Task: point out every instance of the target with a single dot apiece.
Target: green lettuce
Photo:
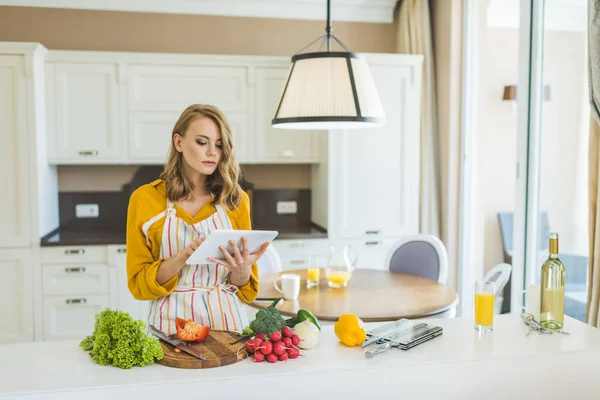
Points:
(121, 341)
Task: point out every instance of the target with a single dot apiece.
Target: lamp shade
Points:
(329, 90)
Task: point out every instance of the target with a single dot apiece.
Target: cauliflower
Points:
(120, 341)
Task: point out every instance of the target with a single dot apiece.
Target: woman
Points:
(197, 193)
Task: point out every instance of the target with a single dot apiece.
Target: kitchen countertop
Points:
(459, 364)
(311, 233)
(66, 237)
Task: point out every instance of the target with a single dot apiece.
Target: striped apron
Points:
(202, 293)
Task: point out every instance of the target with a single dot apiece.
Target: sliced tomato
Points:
(190, 331)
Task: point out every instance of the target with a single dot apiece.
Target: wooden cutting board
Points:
(215, 348)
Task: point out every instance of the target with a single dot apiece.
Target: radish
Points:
(284, 356)
(261, 336)
(295, 340)
(259, 357)
(266, 348)
(251, 346)
(286, 331)
(287, 341)
(293, 352)
(275, 336)
(278, 348)
(272, 358)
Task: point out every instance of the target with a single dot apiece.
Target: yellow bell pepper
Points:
(350, 330)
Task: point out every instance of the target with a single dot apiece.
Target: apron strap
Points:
(151, 222)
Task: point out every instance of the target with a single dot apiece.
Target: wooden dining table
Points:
(373, 295)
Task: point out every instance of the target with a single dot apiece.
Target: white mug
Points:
(290, 286)
(532, 300)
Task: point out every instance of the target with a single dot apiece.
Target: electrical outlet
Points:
(287, 207)
(87, 211)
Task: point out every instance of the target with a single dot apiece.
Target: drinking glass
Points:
(484, 306)
(313, 274)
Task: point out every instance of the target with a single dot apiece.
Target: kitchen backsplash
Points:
(283, 210)
(110, 178)
(97, 197)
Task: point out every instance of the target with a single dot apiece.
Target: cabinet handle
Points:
(296, 262)
(88, 152)
(287, 153)
(75, 269)
(375, 232)
(298, 245)
(374, 243)
(75, 252)
(76, 301)
(121, 251)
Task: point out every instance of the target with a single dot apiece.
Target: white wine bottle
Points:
(552, 311)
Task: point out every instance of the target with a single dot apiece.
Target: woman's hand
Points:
(172, 265)
(240, 262)
(188, 250)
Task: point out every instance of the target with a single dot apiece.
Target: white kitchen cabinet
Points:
(372, 253)
(75, 287)
(16, 296)
(120, 108)
(158, 94)
(29, 203)
(84, 100)
(298, 262)
(374, 173)
(171, 88)
(121, 297)
(15, 211)
(80, 255)
(300, 253)
(301, 247)
(74, 279)
(71, 317)
(150, 136)
(279, 145)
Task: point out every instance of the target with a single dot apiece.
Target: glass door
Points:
(557, 173)
(524, 146)
(493, 192)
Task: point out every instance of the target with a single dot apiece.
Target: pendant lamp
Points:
(329, 90)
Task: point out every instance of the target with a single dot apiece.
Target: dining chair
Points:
(499, 274)
(270, 262)
(422, 255)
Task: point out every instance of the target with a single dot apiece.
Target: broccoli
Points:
(267, 320)
(119, 340)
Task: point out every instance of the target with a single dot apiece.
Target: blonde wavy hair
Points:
(224, 182)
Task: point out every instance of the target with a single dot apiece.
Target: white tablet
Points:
(221, 237)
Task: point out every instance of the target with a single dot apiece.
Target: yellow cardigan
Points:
(143, 258)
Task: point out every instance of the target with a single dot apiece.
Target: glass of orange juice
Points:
(313, 274)
(484, 306)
